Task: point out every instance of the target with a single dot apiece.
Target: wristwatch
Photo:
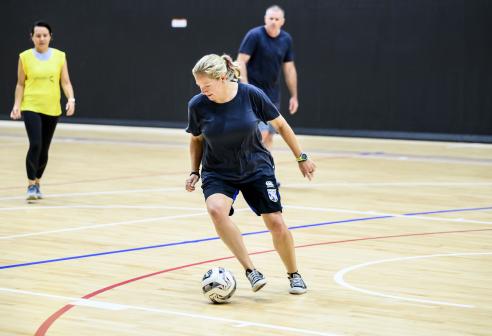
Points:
(301, 158)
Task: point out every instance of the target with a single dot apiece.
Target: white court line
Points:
(389, 184)
(95, 193)
(292, 185)
(153, 219)
(118, 307)
(339, 278)
(408, 157)
(145, 207)
(348, 154)
(180, 131)
(97, 226)
(470, 145)
(375, 213)
(101, 128)
(133, 143)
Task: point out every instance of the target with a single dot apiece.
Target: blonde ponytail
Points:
(215, 66)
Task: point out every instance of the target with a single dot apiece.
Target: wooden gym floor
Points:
(393, 238)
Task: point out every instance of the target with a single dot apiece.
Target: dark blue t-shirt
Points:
(267, 56)
(232, 148)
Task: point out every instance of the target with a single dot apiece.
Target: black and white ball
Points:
(218, 285)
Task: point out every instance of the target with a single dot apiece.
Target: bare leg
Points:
(282, 239)
(218, 206)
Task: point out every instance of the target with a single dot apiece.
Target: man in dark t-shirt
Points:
(264, 51)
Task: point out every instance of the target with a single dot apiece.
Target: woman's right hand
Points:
(15, 114)
(191, 181)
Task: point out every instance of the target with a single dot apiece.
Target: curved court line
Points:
(118, 307)
(216, 238)
(50, 320)
(339, 278)
(194, 316)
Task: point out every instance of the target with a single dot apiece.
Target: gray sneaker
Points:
(39, 194)
(31, 193)
(256, 279)
(297, 285)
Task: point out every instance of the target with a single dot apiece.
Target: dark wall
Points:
(370, 65)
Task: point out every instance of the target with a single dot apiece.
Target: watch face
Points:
(302, 157)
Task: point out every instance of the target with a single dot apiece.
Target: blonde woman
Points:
(226, 142)
(40, 72)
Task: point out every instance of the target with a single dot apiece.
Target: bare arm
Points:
(290, 74)
(307, 167)
(196, 153)
(68, 90)
(243, 60)
(19, 91)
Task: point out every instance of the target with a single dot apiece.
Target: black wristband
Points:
(195, 173)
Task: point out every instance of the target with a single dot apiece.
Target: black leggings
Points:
(40, 129)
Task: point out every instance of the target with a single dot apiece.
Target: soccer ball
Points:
(218, 284)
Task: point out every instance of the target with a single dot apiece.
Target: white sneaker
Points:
(39, 194)
(31, 193)
(256, 279)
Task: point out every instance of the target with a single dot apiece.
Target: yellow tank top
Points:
(42, 83)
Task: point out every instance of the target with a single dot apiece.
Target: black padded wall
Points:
(420, 66)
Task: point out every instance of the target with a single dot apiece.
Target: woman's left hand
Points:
(307, 168)
(15, 114)
(70, 108)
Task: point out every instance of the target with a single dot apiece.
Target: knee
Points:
(35, 147)
(278, 228)
(217, 210)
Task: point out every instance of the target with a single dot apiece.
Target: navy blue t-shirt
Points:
(233, 149)
(267, 56)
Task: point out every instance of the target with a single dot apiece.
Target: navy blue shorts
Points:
(262, 194)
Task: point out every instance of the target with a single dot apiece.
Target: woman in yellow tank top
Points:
(40, 72)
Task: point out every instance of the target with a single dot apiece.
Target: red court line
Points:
(50, 320)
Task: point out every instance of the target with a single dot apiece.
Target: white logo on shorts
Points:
(269, 184)
(272, 195)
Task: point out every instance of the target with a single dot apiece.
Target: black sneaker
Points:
(256, 279)
(297, 285)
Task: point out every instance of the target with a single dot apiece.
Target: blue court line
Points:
(443, 211)
(185, 242)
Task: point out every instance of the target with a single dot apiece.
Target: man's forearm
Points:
(291, 80)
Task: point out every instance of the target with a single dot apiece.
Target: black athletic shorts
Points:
(262, 194)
